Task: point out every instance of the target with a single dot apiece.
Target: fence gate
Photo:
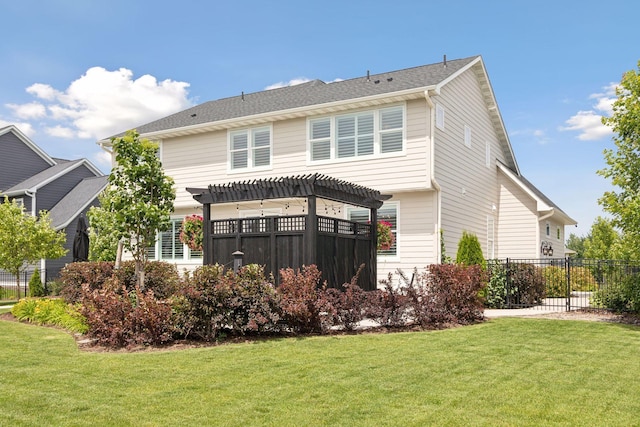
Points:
(555, 284)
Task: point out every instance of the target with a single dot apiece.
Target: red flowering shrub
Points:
(303, 300)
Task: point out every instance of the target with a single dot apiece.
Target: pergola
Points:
(312, 233)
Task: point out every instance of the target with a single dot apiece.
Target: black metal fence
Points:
(554, 283)
(9, 286)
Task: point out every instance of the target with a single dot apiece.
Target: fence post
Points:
(567, 266)
(507, 285)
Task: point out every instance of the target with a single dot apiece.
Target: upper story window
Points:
(548, 229)
(558, 233)
(439, 116)
(355, 135)
(467, 136)
(250, 148)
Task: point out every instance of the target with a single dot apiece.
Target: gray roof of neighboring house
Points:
(76, 201)
(315, 92)
(43, 177)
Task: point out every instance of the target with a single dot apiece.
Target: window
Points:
(548, 230)
(487, 155)
(250, 148)
(388, 212)
(558, 233)
(320, 139)
(354, 135)
(467, 136)
(170, 248)
(439, 116)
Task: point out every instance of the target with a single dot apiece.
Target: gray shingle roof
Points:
(43, 177)
(315, 92)
(76, 200)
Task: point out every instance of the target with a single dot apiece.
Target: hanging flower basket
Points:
(385, 236)
(191, 232)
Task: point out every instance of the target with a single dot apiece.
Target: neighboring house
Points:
(430, 136)
(64, 188)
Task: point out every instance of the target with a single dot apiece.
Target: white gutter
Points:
(434, 182)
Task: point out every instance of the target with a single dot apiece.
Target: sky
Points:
(77, 71)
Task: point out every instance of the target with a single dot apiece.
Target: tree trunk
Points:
(139, 272)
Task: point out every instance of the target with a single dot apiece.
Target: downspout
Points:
(43, 262)
(434, 182)
(538, 237)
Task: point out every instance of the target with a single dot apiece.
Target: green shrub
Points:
(582, 280)
(555, 281)
(469, 251)
(495, 291)
(35, 285)
(47, 311)
(623, 296)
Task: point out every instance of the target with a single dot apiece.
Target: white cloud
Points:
(102, 103)
(102, 159)
(60, 132)
(589, 123)
(32, 110)
(24, 127)
(292, 82)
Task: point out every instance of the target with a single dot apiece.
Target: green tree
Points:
(576, 244)
(35, 285)
(602, 241)
(26, 239)
(103, 241)
(469, 250)
(624, 162)
(140, 196)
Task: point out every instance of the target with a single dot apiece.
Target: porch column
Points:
(207, 242)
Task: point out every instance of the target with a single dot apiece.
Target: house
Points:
(64, 188)
(430, 136)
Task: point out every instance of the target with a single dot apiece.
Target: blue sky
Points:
(75, 71)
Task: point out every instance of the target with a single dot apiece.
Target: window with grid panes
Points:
(250, 148)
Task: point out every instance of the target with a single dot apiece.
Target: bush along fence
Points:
(9, 289)
(563, 283)
(213, 303)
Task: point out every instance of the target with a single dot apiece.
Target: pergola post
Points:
(373, 257)
(311, 233)
(207, 237)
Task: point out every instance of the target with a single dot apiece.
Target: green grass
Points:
(505, 372)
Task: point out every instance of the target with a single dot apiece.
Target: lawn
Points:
(503, 372)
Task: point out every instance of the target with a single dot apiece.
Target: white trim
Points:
(376, 112)
(250, 133)
(22, 137)
(467, 136)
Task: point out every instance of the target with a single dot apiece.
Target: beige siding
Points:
(552, 239)
(200, 160)
(517, 222)
(469, 187)
(417, 234)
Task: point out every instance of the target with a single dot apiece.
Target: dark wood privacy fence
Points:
(278, 242)
(336, 246)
